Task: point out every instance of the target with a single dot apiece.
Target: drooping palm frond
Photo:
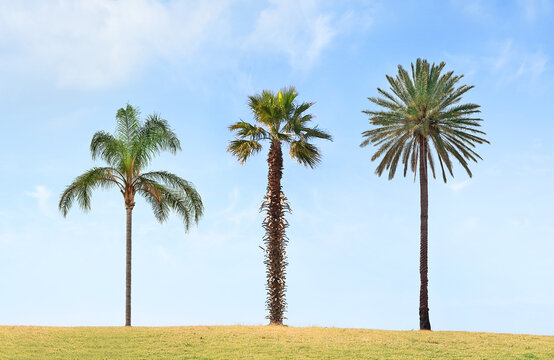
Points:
(243, 149)
(181, 191)
(174, 194)
(423, 109)
(106, 147)
(81, 188)
(305, 153)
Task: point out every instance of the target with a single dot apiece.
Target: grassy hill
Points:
(263, 342)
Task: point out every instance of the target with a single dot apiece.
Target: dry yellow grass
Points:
(263, 342)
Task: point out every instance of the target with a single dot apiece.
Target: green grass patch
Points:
(263, 342)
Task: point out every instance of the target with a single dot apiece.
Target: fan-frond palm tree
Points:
(278, 119)
(127, 154)
(423, 113)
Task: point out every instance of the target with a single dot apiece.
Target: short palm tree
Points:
(127, 154)
(423, 112)
(279, 119)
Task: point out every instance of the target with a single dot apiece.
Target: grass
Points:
(263, 342)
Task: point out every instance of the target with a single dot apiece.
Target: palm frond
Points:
(305, 153)
(423, 107)
(175, 194)
(81, 188)
(243, 149)
(246, 130)
(128, 123)
(153, 137)
(105, 146)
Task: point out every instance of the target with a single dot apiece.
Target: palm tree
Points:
(279, 119)
(424, 110)
(127, 154)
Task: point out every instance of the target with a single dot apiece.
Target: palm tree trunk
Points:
(275, 239)
(424, 323)
(128, 267)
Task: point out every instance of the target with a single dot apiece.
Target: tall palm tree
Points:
(127, 154)
(422, 113)
(279, 119)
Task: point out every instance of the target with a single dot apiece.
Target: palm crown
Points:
(423, 109)
(278, 118)
(127, 154)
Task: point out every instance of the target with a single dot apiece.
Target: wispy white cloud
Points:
(300, 30)
(532, 9)
(303, 30)
(474, 8)
(486, 11)
(507, 60)
(458, 186)
(480, 11)
(514, 62)
(42, 194)
(95, 43)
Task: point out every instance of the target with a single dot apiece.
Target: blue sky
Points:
(67, 66)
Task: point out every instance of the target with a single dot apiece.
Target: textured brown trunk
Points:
(129, 209)
(424, 323)
(275, 238)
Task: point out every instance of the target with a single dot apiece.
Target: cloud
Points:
(96, 43)
(480, 11)
(298, 29)
(532, 9)
(487, 11)
(508, 61)
(514, 62)
(42, 194)
(474, 8)
(458, 186)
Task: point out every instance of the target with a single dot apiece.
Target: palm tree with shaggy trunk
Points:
(423, 113)
(127, 154)
(278, 119)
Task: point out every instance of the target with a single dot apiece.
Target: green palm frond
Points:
(305, 153)
(173, 193)
(106, 147)
(243, 149)
(315, 132)
(81, 188)
(154, 137)
(280, 118)
(246, 130)
(266, 110)
(422, 108)
(128, 123)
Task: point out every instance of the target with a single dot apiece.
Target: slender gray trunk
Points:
(128, 267)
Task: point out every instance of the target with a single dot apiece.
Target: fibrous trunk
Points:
(424, 323)
(275, 204)
(128, 267)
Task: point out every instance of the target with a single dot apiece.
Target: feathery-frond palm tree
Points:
(279, 119)
(423, 112)
(127, 154)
